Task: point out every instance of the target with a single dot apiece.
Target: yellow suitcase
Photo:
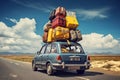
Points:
(71, 22)
(50, 33)
(61, 33)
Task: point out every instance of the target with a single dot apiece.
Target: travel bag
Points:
(50, 33)
(71, 22)
(47, 27)
(44, 37)
(79, 35)
(60, 33)
(73, 35)
(60, 11)
(58, 21)
(52, 15)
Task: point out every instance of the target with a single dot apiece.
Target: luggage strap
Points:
(68, 42)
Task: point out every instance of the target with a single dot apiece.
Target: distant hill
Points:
(15, 53)
(103, 53)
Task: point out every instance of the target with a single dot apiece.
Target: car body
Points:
(61, 56)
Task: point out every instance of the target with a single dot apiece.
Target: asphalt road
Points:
(17, 70)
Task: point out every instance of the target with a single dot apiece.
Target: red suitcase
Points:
(59, 21)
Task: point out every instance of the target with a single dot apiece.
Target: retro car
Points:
(65, 56)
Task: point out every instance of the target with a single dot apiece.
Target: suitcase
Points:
(47, 27)
(58, 21)
(70, 13)
(73, 35)
(52, 15)
(79, 35)
(60, 11)
(44, 37)
(50, 33)
(71, 22)
(60, 33)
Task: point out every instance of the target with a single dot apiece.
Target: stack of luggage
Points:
(62, 27)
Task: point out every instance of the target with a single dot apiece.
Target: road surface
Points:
(17, 70)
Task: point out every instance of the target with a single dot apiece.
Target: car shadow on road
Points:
(69, 74)
(72, 74)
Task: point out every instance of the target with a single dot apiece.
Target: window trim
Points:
(42, 49)
(47, 47)
(56, 47)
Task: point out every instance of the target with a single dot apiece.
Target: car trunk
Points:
(72, 58)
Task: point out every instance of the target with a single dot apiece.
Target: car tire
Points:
(34, 66)
(49, 69)
(80, 71)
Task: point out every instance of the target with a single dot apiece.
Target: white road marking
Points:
(11, 62)
(13, 75)
(82, 78)
(16, 64)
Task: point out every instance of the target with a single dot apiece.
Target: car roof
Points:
(63, 43)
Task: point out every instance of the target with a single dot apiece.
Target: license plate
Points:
(74, 58)
(73, 67)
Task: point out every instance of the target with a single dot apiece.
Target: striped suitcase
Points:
(60, 11)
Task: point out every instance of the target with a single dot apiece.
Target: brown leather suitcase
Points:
(44, 37)
(52, 15)
(47, 27)
(73, 35)
(79, 35)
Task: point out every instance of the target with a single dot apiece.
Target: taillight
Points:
(58, 58)
(89, 58)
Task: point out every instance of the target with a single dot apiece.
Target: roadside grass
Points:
(24, 58)
(105, 57)
(28, 58)
(110, 63)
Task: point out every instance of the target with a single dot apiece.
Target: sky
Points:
(22, 22)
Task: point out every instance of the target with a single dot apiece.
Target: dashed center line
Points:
(82, 78)
(13, 75)
(16, 64)
(11, 62)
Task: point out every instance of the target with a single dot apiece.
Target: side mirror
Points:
(38, 52)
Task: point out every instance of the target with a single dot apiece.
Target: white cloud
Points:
(92, 13)
(35, 5)
(12, 20)
(100, 43)
(20, 37)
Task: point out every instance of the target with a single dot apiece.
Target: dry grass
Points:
(24, 58)
(28, 58)
(111, 63)
(114, 58)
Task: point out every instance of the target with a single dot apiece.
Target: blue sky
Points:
(95, 17)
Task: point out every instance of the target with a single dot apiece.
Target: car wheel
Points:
(34, 67)
(80, 71)
(49, 69)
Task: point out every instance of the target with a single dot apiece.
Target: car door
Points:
(40, 55)
(46, 54)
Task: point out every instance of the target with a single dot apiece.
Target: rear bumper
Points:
(66, 66)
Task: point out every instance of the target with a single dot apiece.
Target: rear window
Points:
(72, 48)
